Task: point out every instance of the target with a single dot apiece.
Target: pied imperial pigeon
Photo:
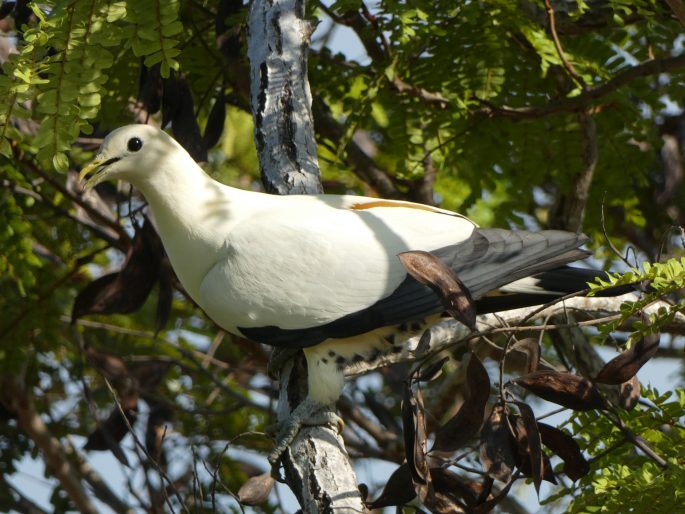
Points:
(321, 273)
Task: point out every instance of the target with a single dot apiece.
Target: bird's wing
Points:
(308, 261)
(307, 269)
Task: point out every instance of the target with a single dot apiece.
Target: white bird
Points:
(320, 272)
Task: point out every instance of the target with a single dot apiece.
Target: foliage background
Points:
(472, 105)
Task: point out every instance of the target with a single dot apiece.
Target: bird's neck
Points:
(193, 214)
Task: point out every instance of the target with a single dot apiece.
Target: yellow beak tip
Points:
(86, 171)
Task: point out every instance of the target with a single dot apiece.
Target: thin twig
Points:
(141, 446)
(607, 450)
(37, 195)
(608, 240)
(96, 215)
(636, 440)
(575, 202)
(426, 96)
(568, 66)
(551, 413)
(215, 473)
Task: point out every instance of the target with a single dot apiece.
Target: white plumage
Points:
(319, 272)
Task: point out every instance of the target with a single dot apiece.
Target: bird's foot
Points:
(279, 356)
(308, 413)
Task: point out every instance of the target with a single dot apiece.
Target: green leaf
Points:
(5, 147)
(61, 162)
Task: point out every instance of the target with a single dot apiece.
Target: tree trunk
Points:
(280, 96)
(317, 467)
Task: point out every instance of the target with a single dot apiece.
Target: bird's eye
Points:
(134, 144)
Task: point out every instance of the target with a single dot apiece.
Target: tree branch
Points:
(591, 311)
(100, 487)
(113, 225)
(366, 32)
(428, 97)
(16, 398)
(317, 467)
(583, 100)
(571, 211)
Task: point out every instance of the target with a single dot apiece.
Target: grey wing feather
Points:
(494, 257)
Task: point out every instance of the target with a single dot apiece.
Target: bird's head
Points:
(129, 153)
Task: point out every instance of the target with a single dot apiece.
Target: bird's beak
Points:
(97, 167)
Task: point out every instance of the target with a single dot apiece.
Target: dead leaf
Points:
(559, 442)
(382, 413)
(431, 271)
(414, 424)
(466, 423)
(625, 366)
(431, 371)
(629, 393)
(489, 505)
(523, 356)
(215, 121)
(256, 490)
(179, 111)
(165, 295)
(496, 452)
(111, 431)
(6, 9)
(399, 490)
(449, 483)
(149, 373)
(529, 442)
(150, 88)
(522, 458)
(112, 367)
(6, 413)
(156, 430)
(443, 503)
(563, 388)
(125, 291)
(424, 343)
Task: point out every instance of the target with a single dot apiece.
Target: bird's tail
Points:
(510, 269)
(542, 288)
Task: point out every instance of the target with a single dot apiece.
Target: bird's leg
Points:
(308, 413)
(324, 382)
(279, 356)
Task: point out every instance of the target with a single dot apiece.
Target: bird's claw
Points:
(308, 413)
